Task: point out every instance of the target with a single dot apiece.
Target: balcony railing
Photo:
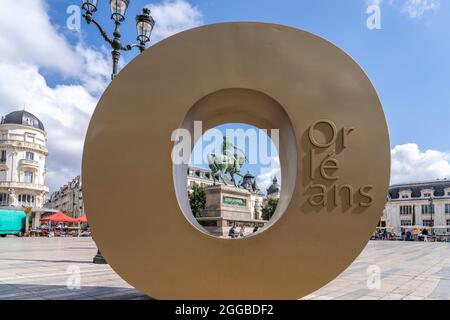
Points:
(29, 163)
(23, 185)
(30, 145)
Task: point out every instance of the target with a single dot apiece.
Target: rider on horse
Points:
(228, 162)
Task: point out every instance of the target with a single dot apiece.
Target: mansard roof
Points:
(438, 186)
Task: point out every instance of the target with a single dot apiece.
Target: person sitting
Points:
(232, 233)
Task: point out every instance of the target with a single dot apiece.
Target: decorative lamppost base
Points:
(99, 259)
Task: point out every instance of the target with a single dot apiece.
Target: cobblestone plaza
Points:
(42, 268)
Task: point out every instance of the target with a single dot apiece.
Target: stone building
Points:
(273, 192)
(23, 153)
(256, 196)
(68, 199)
(418, 204)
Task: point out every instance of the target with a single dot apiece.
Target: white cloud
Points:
(28, 36)
(65, 111)
(410, 164)
(264, 179)
(412, 8)
(173, 16)
(49, 49)
(417, 8)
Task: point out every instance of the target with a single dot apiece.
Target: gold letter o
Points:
(268, 75)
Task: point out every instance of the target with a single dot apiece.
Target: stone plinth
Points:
(228, 206)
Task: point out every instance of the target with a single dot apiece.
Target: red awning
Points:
(59, 217)
(82, 219)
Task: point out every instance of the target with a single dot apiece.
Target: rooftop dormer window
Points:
(405, 194)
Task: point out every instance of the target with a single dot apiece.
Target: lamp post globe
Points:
(118, 9)
(144, 26)
(90, 6)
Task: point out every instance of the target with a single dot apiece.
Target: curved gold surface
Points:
(272, 75)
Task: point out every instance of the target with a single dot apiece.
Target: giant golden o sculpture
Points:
(334, 153)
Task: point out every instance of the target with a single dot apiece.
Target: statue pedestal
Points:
(228, 206)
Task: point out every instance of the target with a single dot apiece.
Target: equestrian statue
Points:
(229, 162)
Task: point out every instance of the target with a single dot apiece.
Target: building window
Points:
(405, 196)
(28, 177)
(4, 197)
(428, 223)
(448, 222)
(405, 223)
(405, 210)
(426, 209)
(26, 199)
(3, 156)
(427, 195)
(29, 155)
(447, 208)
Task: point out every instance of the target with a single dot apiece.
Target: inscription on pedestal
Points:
(234, 201)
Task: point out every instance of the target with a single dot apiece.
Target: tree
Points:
(269, 209)
(197, 200)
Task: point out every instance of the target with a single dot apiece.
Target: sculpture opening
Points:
(234, 109)
(234, 179)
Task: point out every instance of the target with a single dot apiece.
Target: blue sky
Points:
(407, 60)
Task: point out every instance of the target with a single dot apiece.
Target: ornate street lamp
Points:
(144, 26)
(430, 200)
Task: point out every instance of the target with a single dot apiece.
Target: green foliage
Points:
(197, 200)
(269, 209)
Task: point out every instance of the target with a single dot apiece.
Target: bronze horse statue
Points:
(229, 162)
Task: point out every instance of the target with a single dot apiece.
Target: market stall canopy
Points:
(59, 217)
(82, 219)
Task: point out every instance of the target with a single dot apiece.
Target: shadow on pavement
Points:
(62, 292)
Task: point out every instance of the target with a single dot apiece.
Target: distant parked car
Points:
(12, 222)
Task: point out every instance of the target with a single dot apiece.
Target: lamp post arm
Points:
(89, 19)
(140, 46)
